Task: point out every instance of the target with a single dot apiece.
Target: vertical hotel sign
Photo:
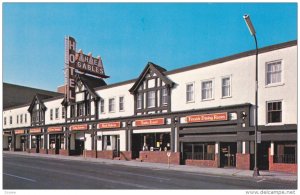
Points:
(70, 52)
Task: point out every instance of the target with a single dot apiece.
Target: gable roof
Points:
(16, 95)
(158, 70)
(40, 98)
(90, 83)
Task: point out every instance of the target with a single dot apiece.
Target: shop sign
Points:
(109, 125)
(78, 127)
(54, 129)
(79, 63)
(19, 131)
(207, 118)
(149, 122)
(89, 64)
(70, 52)
(6, 133)
(35, 130)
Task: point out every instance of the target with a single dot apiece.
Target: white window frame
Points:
(112, 109)
(139, 106)
(269, 73)
(101, 107)
(63, 113)
(267, 111)
(51, 114)
(193, 95)
(56, 113)
(230, 86)
(212, 89)
(164, 96)
(123, 103)
(151, 99)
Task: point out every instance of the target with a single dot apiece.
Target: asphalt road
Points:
(26, 172)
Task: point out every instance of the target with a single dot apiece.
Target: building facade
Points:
(200, 115)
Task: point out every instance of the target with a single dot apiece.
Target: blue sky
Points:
(128, 35)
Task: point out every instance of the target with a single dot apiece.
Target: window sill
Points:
(274, 124)
(204, 100)
(274, 85)
(225, 97)
(188, 102)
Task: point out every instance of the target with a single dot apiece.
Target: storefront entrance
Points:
(79, 146)
(263, 155)
(56, 142)
(36, 143)
(228, 154)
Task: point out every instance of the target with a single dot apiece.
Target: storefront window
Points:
(285, 152)
(153, 141)
(199, 151)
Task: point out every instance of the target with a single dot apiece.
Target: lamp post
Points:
(253, 33)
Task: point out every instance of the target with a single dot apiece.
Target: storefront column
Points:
(45, 141)
(272, 149)
(13, 142)
(129, 140)
(173, 140)
(217, 154)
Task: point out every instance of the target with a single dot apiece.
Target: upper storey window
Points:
(226, 88)
(274, 112)
(207, 90)
(190, 92)
(151, 99)
(139, 101)
(274, 72)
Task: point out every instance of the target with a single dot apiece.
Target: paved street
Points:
(31, 172)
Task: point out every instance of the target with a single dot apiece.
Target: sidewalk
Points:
(200, 170)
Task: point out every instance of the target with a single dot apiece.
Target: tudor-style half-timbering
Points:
(37, 110)
(86, 99)
(152, 91)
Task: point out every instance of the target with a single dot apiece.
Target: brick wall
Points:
(64, 152)
(51, 151)
(125, 155)
(203, 163)
(90, 154)
(160, 157)
(282, 167)
(108, 154)
(43, 151)
(243, 161)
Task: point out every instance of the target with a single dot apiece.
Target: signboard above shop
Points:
(207, 118)
(150, 122)
(35, 130)
(78, 127)
(109, 125)
(55, 129)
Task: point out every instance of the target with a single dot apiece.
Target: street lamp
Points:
(253, 33)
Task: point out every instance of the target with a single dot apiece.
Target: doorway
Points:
(79, 146)
(263, 155)
(228, 154)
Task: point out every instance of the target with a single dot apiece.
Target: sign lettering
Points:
(55, 129)
(109, 125)
(35, 130)
(70, 51)
(207, 117)
(150, 122)
(78, 127)
(19, 131)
